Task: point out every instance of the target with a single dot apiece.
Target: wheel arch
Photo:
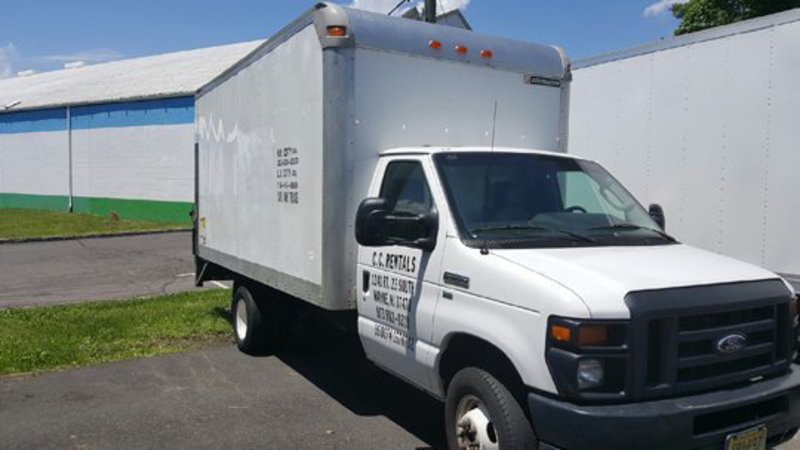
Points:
(461, 350)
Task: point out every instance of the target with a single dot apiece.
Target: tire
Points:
(251, 328)
(480, 410)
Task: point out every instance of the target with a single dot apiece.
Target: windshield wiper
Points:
(512, 227)
(631, 227)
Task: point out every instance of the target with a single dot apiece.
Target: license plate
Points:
(752, 439)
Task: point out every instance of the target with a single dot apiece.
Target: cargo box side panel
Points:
(260, 167)
(429, 101)
(410, 100)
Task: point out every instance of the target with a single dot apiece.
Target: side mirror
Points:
(424, 231)
(375, 227)
(657, 214)
(371, 222)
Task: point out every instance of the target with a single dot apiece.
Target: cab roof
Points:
(432, 150)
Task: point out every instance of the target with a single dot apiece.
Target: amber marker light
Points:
(436, 45)
(337, 31)
(560, 333)
(592, 335)
(487, 54)
(461, 50)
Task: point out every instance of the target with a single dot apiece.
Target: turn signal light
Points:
(486, 54)
(560, 333)
(462, 50)
(436, 45)
(337, 31)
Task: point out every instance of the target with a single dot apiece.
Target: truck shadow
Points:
(337, 365)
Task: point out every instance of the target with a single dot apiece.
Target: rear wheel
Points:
(481, 414)
(253, 327)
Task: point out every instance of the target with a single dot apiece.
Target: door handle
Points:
(455, 279)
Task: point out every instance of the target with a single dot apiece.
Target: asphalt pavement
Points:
(323, 397)
(43, 273)
(327, 397)
(313, 396)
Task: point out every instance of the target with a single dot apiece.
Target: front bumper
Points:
(693, 422)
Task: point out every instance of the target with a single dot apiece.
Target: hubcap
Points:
(241, 320)
(474, 427)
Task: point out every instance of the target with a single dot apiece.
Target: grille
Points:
(682, 354)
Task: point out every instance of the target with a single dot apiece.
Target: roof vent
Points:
(74, 65)
(11, 105)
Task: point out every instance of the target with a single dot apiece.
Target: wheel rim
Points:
(241, 320)
(474, 427)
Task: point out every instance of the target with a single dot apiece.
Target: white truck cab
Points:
(539, 265)
(382, 171)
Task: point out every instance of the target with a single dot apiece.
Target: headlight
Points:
(588, 359)
(590, 373)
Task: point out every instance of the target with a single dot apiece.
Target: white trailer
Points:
(705, 124)
(411, 179)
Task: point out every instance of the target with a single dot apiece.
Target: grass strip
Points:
(56, 337)
(26, 224)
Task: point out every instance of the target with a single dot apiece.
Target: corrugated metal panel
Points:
(34, 121)
(151, 162)
(168, 75)
(34, 163)
(747, 26)
(707, 126)
(168, 111)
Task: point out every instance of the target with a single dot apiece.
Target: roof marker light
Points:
(461, 50)
(487, 54)
(337, 31)
(436, 45)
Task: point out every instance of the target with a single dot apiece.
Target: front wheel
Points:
(481, 414)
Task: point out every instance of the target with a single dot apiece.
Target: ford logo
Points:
(731, 343)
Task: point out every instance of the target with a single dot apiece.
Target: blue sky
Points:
(45, 34)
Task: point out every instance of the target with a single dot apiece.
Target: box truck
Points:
(707, 124)
(412, 178)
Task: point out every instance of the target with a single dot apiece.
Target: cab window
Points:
(408, 195)
(406, 190)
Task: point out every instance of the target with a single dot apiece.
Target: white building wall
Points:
(34, 163)
(135, 159)
(154, 162)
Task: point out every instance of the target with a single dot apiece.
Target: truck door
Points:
(398, 292)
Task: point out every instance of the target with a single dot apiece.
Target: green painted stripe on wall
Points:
(152, 210)
(160, 211)
(27, 201)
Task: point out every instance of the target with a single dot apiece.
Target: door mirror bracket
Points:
(657, 214)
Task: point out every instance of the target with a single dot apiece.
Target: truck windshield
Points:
(519, 200)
